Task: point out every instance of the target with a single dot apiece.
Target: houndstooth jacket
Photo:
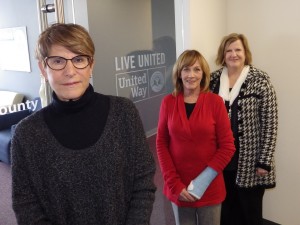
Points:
(257, 128)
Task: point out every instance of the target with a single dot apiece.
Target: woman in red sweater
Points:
(194, 143)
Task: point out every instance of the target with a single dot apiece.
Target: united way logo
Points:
(157, 81)
(142, 84)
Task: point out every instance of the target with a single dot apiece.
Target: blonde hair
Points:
(189, 58)
(226, 41)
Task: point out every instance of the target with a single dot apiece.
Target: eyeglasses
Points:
(59, 63)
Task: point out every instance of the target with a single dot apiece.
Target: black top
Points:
(189, 107)
(90, 121)
(233, 164)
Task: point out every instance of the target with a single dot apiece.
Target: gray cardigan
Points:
(257, 128)
(109, 183)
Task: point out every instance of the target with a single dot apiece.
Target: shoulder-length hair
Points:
(226, 41)
(189, 58)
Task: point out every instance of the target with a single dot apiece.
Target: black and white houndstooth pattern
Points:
(257, 128)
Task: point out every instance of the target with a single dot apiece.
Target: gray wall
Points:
(14, 14)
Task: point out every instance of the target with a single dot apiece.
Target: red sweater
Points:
(185, 147)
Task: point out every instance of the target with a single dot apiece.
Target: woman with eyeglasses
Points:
(84, 158)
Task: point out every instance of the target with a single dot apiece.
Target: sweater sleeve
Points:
(269, 125)
(25, 202)
(225, 140)
(143, 192)
(170, 175)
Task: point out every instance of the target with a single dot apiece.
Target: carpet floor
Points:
(7, 216)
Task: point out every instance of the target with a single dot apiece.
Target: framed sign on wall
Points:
(14, 53)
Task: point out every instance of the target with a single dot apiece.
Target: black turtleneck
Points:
(78, 124)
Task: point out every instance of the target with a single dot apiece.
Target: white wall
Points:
(208, 24)
(199, 25)
(274, 36)
(273, 31)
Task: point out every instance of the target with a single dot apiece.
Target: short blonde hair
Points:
(189, 58)
(226, 41)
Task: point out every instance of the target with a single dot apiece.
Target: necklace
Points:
(228, 107)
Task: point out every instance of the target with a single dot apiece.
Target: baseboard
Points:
(267, 222)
